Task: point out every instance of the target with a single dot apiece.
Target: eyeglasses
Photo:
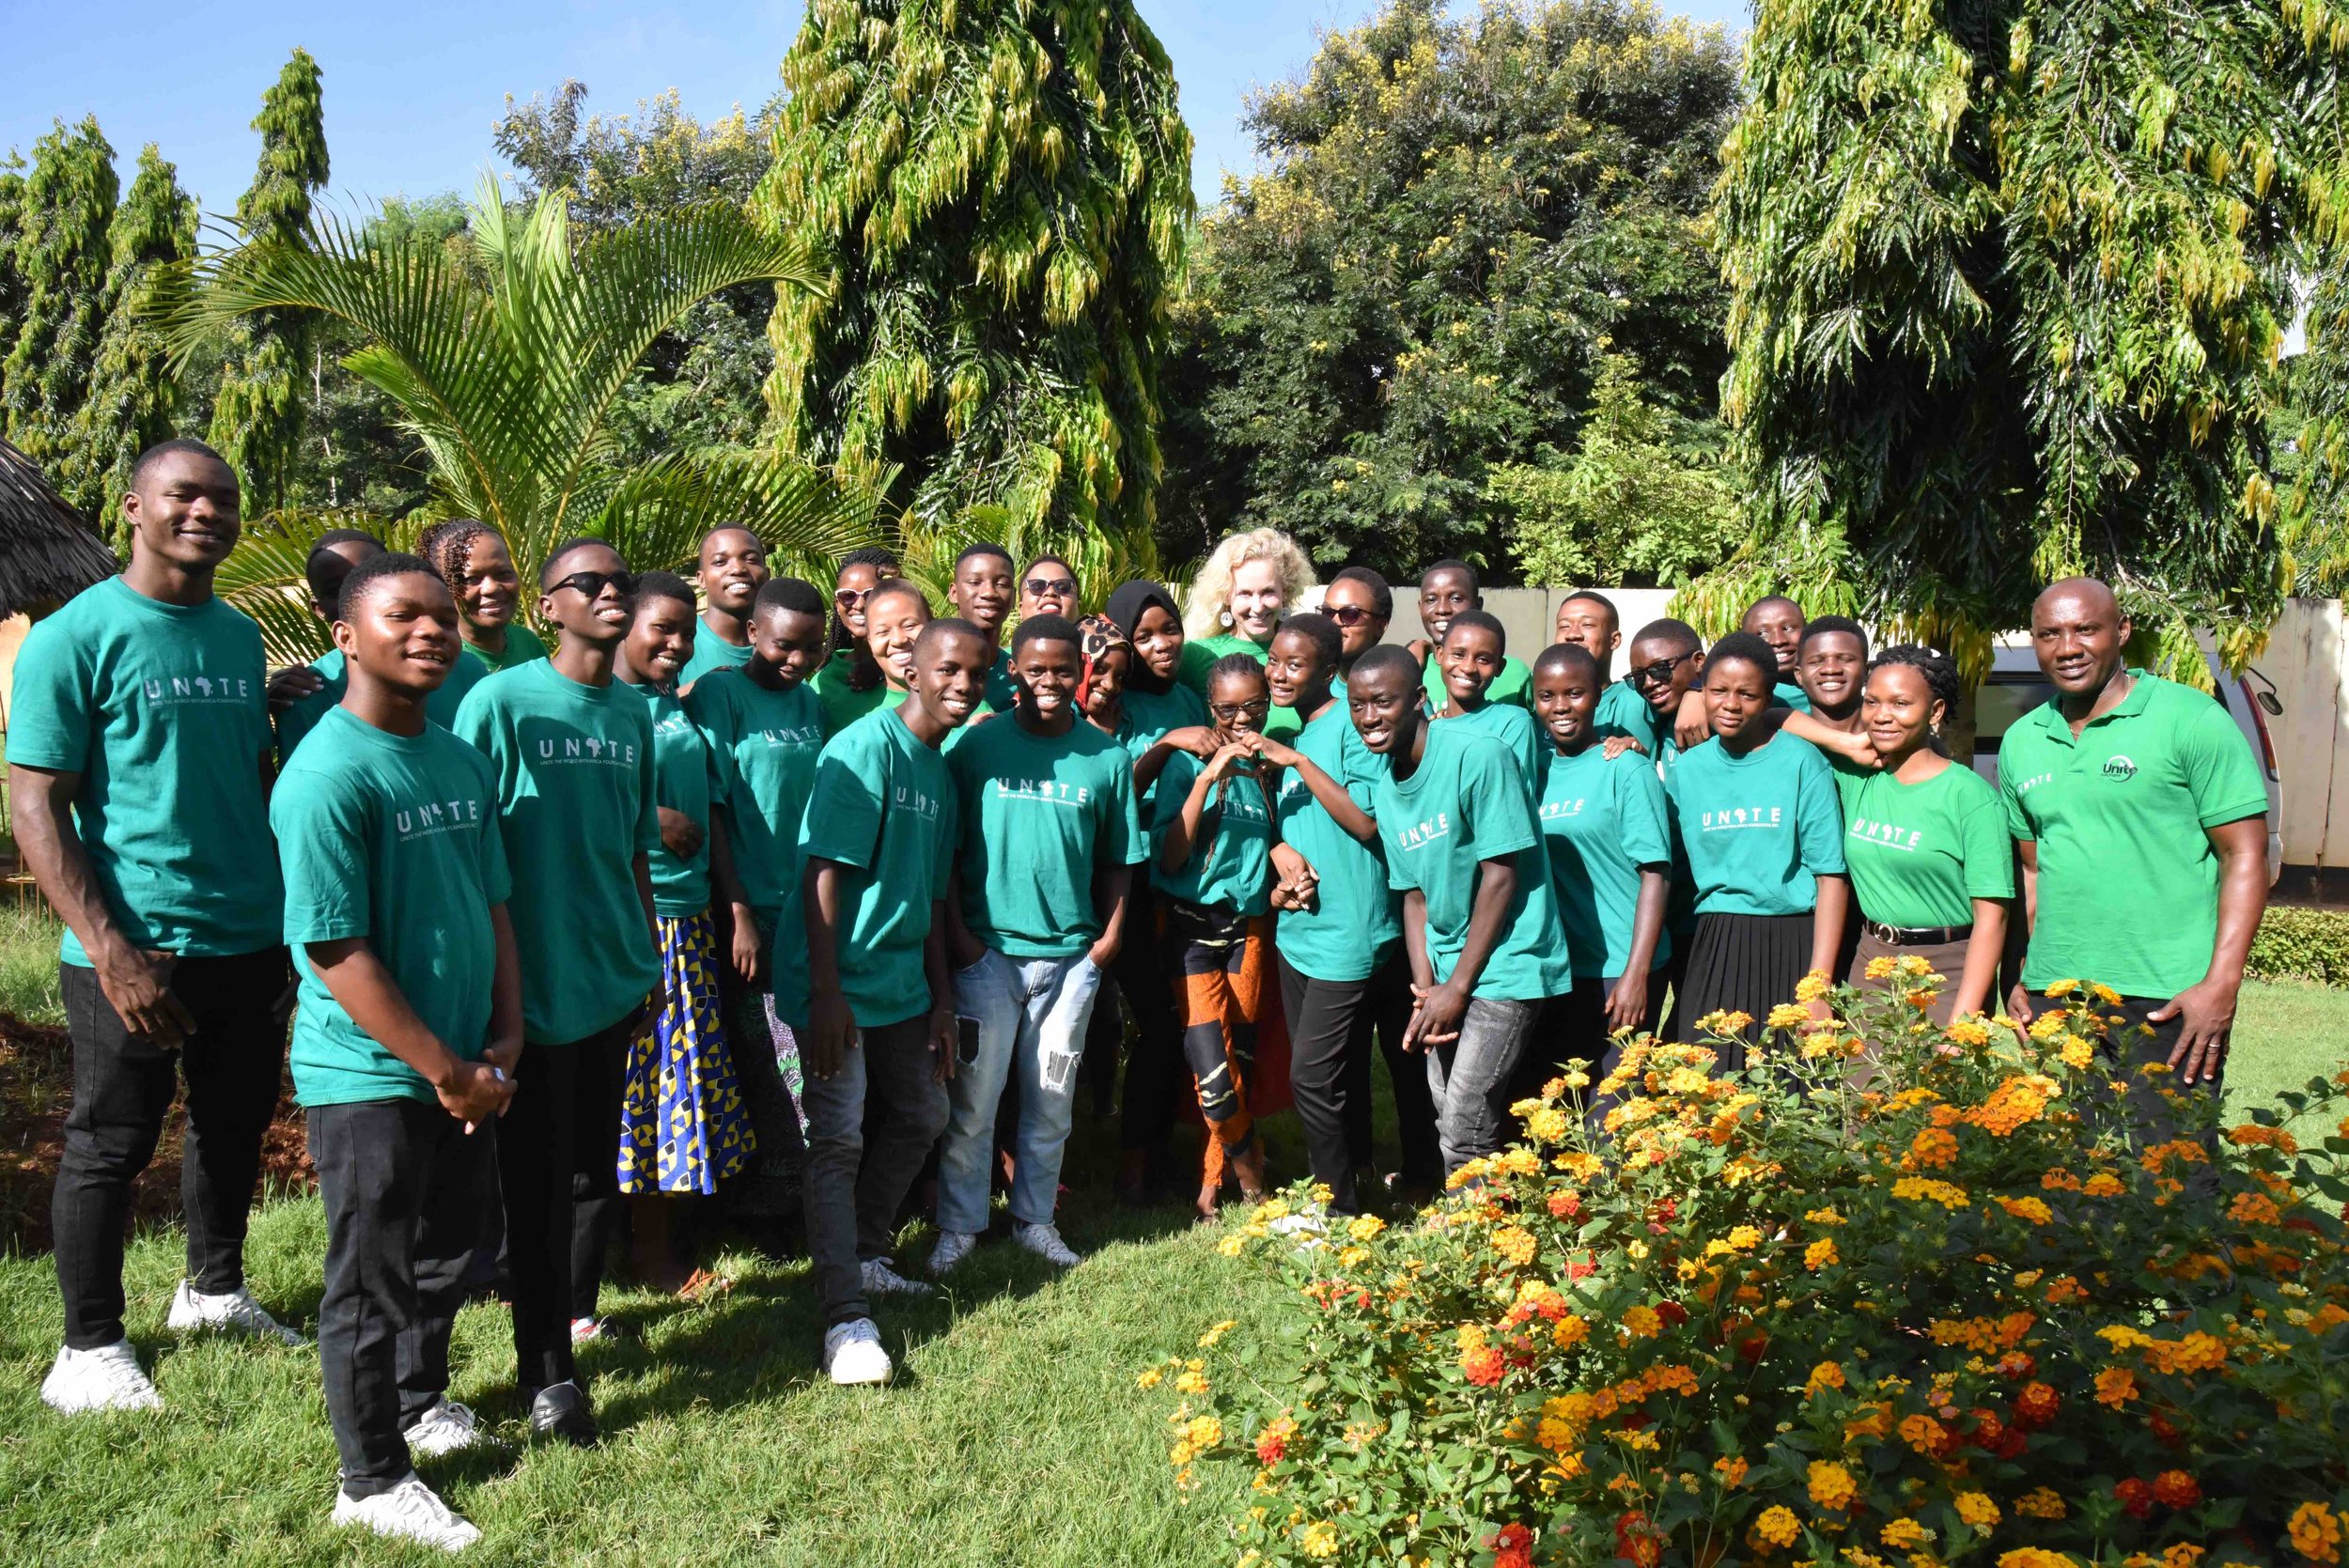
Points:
(1227, 713)
(1660, 672)
(591, 584)
(1347, 614)
(1051, 587)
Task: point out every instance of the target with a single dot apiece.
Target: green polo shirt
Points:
(1515, 729)
(1601, 822)
(2128, 883)
(1040, 815)
(711, 652)
(763, 747)
(1918, 855)
(1514, 685)
(1002, 693)
(1787, 695)
(844, 705)
(1232, 869)
(1759, 829)
(301, 718)
(883, 807)
(522, 645)
(1462, 805)
(1355, 918)
(1623, 711)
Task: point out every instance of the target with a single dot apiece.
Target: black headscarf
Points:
(1126, 606)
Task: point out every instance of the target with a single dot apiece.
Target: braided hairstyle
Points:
(448, 546)
(1938, 668)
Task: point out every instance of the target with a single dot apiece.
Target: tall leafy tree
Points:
(62, 251)
(999, 192)
(11, 277)
(132, 393)
(2010, 277)
(258, 414)
(505, 365)
(1455, 216)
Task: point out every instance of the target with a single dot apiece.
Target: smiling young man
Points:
(301, 703)
(1047, 841)
(1480, 927)
(579, 810)
(1778, 622)
(1475, 653)
(731, 569)
(1831, 667)
(2123, 782)
(1446, 589)
(878, 847)
(982, 593)
(138, 756)
(409, 1029)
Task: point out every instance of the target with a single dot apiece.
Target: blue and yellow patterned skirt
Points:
(683, 1126)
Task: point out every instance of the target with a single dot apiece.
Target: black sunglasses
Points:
(1658, 672)
(591, 584)
(1347, 614)
(1056, 587)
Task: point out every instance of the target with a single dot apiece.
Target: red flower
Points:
(1269, 1448)
(1638, 1541)
(1753, 1345)
(1581, 1268)
(2136, 1496)
(2177, 1489)
(1668, 1209)
(2017, 1363)
(2036, 1405)
(2162, 1432)
(1482, 1367)
(1672, 1313)
(1565, 1205)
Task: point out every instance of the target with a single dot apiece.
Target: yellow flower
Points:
(2078, 1054)
(1831, 1485)
(2036, 1556)
(1232, 1245)
(1826, 1375)
(1968, 1031)
(1204, 1433)
(1778, 1526)
(1150, 1378)
(1924, 1190)
(2104, 1184)
(2316, 1532)
(1353, 1257)
(2033, 1209)
(2063, 988)
(1820, 1254)
(2040, 1502)
(1787, 1015)
(1207, 1340)
(1514, 1243)
(1977, 1509)
(1825, 1216)
(2104, 994)
(1880, 967)
(1318, 1539)
(1577, 1079)
(1547, 1126)
(1192, 1381)
(1901, 1534)
(1641, 1322)
(1812, 986)
(1569, 1331)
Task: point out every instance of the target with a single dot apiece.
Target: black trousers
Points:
(2154, 1113)
(1154, 1063)
(1330, 1026)
(234, 1064)
(559, 1154)
(409, 1196)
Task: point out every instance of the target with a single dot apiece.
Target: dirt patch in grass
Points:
(36, 1088)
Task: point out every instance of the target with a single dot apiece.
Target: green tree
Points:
(62, 251)
(1645, 500)
(257, 413)
(132, 393)
(506, 371)
(998, 195)
(12, 278)
(2316, 420)
(1455, 214)
(2009, 276)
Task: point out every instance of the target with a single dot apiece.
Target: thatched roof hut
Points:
(48, 552)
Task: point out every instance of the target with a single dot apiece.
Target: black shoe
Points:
(561, 1411)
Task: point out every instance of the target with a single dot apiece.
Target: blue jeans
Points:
(1032, 1013)
(1470, 1078)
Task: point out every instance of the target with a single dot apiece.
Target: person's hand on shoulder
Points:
(291, 684)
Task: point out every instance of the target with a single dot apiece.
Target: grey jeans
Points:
(852, 1190)
(1470, 1077)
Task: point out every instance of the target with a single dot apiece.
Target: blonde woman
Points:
(1235, 604)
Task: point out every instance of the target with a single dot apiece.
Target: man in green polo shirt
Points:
(879, 847)
(2143, 821)
(138, 757)
(1446, 589)
(731, 569)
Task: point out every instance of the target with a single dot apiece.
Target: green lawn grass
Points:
(1015, 1434)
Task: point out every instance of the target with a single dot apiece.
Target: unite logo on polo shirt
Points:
(427, 817)
(1735, 817)
(1553, 810)
(1050, 791)
(587, 749)
(1891, 835)
(2119, 769)
(177, 689)
(921, 802)
(1420, 834)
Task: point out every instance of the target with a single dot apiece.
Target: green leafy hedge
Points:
(2302, 944)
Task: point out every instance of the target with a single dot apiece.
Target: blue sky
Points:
(413, 88)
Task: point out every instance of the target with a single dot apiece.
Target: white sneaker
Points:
(410, 1510)
(449, 1427)
(586, 1331)
(882, 1280)
(853, 1353)
(1045, 1242)
(953, 1246)
(1308, 1227)
(235, 1312)
(107, 1379)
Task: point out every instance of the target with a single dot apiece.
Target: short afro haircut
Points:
(1046, 629)
(1591, 596)
(1449, 563)
(1478, 620)
(1566, 655)
(549, 577)
(1385, 656)
(172, 448)
(1679, 635)
(793, 594)
(1382, 592)
(378, 568)
(950, 626)
(326, 566)
(1329, 643)
(1744, 647)
(662, 585)
(973, 551)
(1845, 623)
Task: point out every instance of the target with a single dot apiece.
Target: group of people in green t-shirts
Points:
(743, 882)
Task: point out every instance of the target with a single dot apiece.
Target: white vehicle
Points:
(2016, 686)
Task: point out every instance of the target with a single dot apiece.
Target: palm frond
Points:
(263, 576)
(657, 514)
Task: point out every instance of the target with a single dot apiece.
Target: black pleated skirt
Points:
(1741, 963)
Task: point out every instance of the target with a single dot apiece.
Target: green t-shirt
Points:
(763, 747)
(1759, 829)
(1787, 695)
(1513, 686)
(1513, 727)
(163, 710)
(680, 774)
(1232, 869)
(1918, 855)
(577, 803)
(1002, 694)
(1463, 804)
(393, 838)
(1601, 822)
(1146, 718)
(842, 704)
(711, 652)
(302, 717)
(883, 806)
(1354, 917)
(2128, 884)
(1039, 813)
(1623, 711)
(522, 645)
(1281, 723)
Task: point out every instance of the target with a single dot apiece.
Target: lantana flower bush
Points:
(1892, 1296)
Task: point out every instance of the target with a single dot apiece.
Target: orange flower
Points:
(1732, 1471)
(1831, 1485)
(1930, 1150)
(1826, 1375)
(2176, 1489)
(1820, 1254)
(2316, 1532)
(2116, 1387)
(1779, 1527)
